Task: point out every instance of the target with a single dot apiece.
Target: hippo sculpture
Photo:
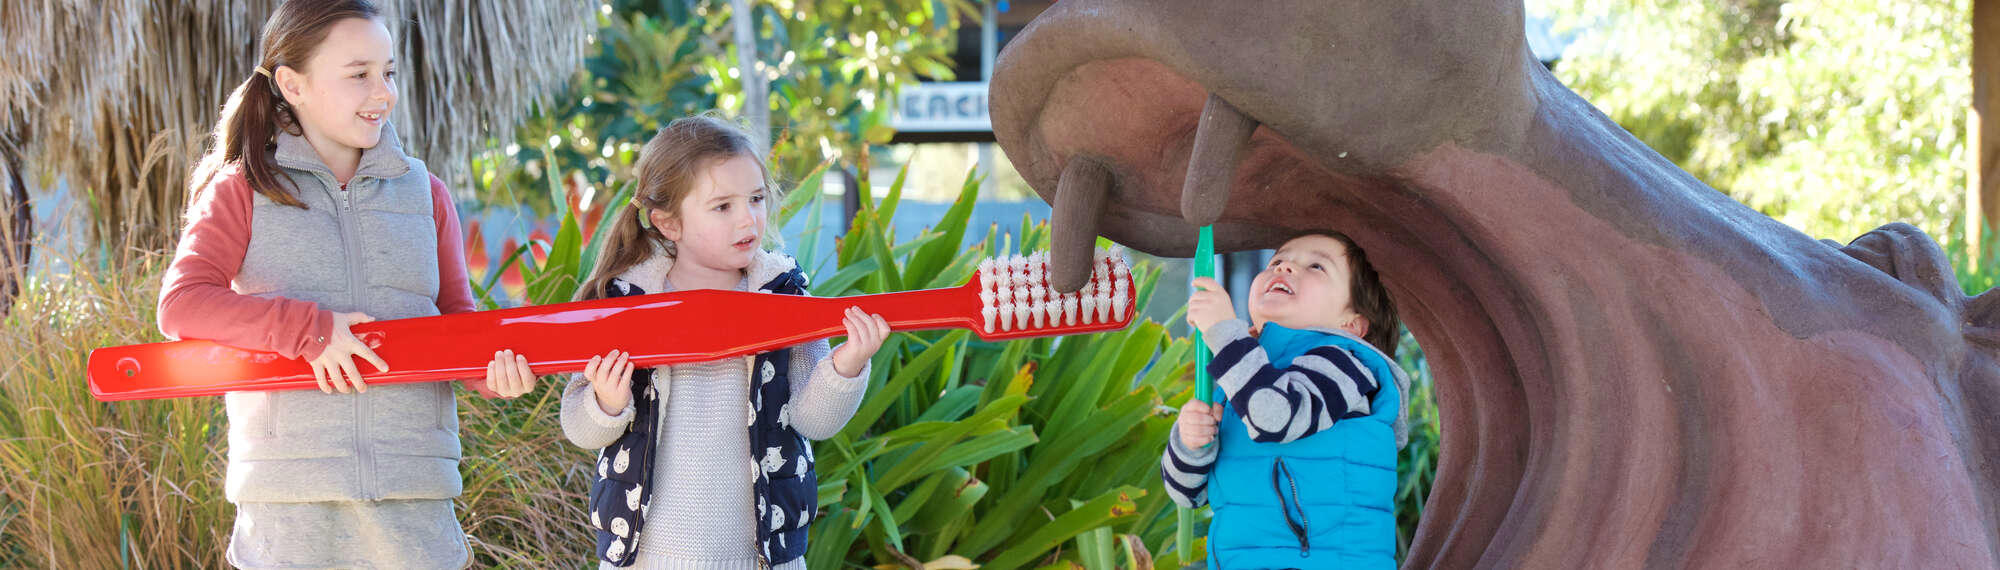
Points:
(1632, 368)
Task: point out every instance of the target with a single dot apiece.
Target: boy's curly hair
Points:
(1370, 298)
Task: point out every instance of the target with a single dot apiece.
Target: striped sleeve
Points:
(1324, 385)
(1185, 471)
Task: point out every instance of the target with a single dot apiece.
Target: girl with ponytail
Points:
(306, 217)
(676, 437)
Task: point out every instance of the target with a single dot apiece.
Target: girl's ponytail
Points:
(245, 134)
(625, 244)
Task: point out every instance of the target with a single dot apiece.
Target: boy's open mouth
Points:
(1278, 287)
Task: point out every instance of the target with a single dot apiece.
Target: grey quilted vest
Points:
(370, 248)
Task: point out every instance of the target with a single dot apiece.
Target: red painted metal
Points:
(662, 328)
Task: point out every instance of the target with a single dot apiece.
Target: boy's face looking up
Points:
(1308, 284)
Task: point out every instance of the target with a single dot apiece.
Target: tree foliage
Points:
(833, 67)
(1833, 116)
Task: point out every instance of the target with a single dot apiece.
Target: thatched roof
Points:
(118, 95)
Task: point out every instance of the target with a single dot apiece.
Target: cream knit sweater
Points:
(703, 504)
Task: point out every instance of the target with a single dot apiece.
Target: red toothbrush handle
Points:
(657, 329)
(662, 328)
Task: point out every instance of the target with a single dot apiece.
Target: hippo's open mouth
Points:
(1632, 369)
(1111, 136)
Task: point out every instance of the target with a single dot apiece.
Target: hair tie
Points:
(264, 72)
(645, 219)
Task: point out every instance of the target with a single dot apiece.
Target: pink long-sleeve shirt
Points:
(196, 300)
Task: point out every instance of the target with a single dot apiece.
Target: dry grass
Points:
(97, 485)
(139, 484)
(524, 483)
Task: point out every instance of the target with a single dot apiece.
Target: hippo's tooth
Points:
(1073, 230)
(1218, 144)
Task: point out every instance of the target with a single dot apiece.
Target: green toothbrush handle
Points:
(1204, 266)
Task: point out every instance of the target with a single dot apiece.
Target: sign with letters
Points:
(943, 107)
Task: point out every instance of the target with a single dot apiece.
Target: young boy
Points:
(1303, 461)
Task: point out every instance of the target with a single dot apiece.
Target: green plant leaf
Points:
(887, 209)
(806, 193)
(1111, 508)
(1054, 460)
(923, 363)
(591, 245)
(888, 521)
(924, 459)
(940, 251)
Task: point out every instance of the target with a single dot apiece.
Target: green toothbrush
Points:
(1218, 142)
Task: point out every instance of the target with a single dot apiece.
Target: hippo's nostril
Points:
(1218, 144)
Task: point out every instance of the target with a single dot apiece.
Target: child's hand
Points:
(865, 333)
(610, 377)
(1197, 423)
(1208, 304)
(508, 375)
(335, 369)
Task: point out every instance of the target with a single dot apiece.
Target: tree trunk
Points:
(17, 227)
(756, 98)
(1982, 199)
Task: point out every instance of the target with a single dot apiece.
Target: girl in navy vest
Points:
(306, 218)
(707, 465)
(1298, 462)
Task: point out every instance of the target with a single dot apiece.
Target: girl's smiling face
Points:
(1307, 284)
(345, 91)
(721, 222)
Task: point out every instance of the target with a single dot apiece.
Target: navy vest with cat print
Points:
(785, 486)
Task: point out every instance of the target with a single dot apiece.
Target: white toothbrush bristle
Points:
(1016, 297)
(1120, 297)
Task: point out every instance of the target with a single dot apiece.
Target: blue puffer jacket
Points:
(1326, 500)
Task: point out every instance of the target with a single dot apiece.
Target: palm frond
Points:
(118, 97)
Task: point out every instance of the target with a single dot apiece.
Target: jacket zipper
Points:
(1301, 528)
(364, 453)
